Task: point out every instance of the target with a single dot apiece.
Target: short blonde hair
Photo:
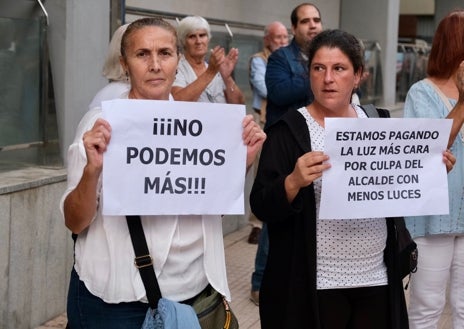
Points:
(189, 24)
(112, 69)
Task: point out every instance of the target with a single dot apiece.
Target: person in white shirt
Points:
(106, 290)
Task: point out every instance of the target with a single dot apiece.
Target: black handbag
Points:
(406, 249)
(212, 309)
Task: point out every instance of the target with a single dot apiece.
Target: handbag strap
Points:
(143, 260)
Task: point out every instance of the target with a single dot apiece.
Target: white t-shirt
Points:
(350, 252)
(214, 92)
(187, 251)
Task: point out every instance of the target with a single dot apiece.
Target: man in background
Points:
(287, 75)
(275, 36)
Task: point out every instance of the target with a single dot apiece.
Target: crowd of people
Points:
(309, 272)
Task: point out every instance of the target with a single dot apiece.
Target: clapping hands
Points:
(222, 63)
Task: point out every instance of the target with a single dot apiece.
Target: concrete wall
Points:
(36, 251)
(78, 41)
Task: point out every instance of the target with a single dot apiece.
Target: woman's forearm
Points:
(233, 93)
(80, 205)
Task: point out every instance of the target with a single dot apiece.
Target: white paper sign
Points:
(173, 158)
(385, 168)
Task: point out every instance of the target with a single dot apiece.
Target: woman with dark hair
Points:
(440, 238)
(322, 273)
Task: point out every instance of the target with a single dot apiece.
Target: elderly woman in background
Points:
(106, 290)
(197, 80)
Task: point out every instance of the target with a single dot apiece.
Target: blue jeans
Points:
(86, 311)
(260, 259)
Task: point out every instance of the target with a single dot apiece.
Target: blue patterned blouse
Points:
(422, 101)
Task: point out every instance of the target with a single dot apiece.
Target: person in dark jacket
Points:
(330, 274)
(287, 80)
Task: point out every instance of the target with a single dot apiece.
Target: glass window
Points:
(28, 134)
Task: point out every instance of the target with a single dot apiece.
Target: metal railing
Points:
(173, 16)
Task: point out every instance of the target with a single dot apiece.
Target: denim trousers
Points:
(86, 311)
(260, 259)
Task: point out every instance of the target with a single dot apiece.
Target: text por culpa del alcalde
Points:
(381, 159)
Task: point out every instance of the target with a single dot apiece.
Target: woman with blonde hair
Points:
(118, 80)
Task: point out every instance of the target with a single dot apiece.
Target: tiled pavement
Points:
(240, 260)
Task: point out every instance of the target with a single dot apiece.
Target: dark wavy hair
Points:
(447, 46)
(346, 42)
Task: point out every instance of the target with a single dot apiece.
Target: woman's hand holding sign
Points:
(449, 159)
(96, 142)
(308, 168)
(253, 137)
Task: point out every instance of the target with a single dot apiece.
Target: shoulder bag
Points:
(212, 309)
